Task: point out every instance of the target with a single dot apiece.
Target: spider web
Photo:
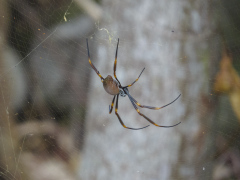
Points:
(50, 84)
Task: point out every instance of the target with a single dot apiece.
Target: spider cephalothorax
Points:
(114, 87)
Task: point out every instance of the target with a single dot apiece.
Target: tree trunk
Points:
(172, 40)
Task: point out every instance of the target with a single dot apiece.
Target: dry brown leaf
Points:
(228, 82)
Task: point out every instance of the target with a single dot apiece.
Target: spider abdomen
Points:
(111, 85)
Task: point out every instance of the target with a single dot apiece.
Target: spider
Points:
(114, 87)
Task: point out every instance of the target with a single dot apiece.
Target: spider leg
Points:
(90, 62)
(136, 79)
(151, 107)
(110, 109)
(120, 120)
(115, 64)
(134, 105)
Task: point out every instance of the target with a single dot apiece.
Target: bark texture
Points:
(174, 41)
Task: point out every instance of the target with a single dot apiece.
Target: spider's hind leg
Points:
(115, 64)
(90, 62)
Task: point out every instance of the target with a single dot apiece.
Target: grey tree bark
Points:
(174, 41)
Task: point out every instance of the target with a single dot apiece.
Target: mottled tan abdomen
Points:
(111, 85)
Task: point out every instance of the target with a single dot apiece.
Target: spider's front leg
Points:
(151, 107)
(138, 111)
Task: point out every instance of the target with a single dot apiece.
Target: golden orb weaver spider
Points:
(114, 87)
